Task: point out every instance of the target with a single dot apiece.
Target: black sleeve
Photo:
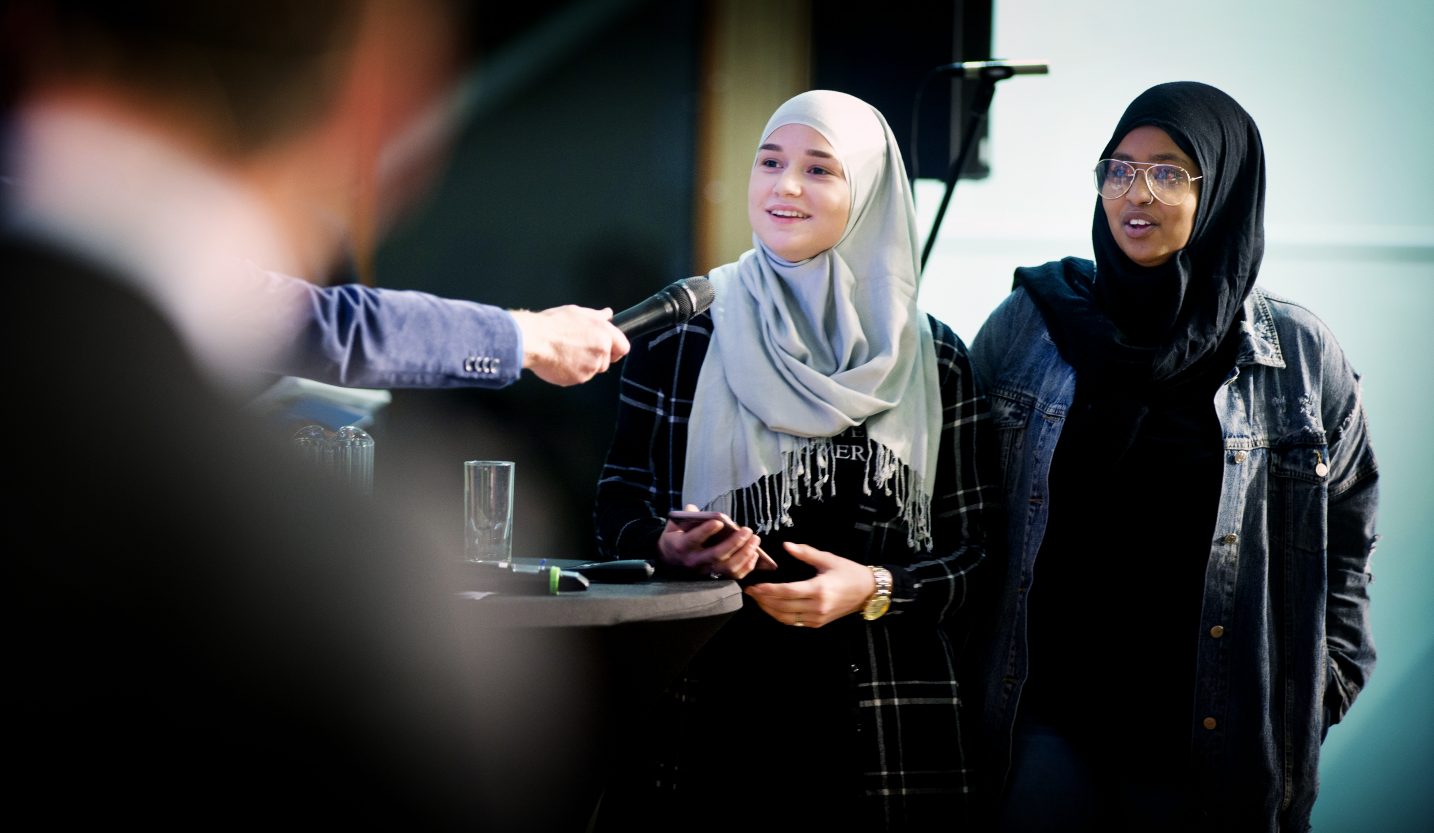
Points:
(641, 477)
(938, 586)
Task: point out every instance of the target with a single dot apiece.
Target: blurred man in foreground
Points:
(196, 634)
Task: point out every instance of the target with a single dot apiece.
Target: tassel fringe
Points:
(807, 472)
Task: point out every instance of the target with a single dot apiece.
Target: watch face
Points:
(877, 607)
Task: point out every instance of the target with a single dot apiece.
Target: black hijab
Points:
(1136, 329)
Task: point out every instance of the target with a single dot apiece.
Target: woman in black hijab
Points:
(1191, 497)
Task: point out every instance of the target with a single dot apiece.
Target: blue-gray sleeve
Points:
(360, 336)
(1352, 507)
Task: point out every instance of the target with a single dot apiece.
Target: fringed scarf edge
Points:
(807, 472)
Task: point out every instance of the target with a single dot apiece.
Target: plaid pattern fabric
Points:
(903, 667)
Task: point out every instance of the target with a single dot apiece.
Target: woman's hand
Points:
(733, 556)
(840, 587)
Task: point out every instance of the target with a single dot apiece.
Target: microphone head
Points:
(995, 70)
(674, 304)
(701, 294)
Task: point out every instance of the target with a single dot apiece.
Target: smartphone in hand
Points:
(686, 520)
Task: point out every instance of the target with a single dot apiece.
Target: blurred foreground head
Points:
(298, 99)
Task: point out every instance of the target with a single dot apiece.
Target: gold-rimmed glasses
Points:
(1170, 184)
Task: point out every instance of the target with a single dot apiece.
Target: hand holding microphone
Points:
(569, 345)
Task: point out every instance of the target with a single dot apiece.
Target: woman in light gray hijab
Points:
(818, 408)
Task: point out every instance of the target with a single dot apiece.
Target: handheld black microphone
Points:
(975, 70)
(673, 305)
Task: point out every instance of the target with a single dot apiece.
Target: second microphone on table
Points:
(674, 304)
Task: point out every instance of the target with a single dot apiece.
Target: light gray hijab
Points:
(803, 351)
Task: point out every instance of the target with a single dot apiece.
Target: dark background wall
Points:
(572, 183)
(885, 59)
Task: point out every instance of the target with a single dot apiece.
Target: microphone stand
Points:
(985, 91)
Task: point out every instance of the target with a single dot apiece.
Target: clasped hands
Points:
(840, 587)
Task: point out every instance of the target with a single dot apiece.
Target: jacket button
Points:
(1241, 456)
(1217, 631)
(1230, 538)
(1208, 723)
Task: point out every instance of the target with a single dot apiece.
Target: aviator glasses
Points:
(1170, 184)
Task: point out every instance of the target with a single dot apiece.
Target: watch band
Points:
(880, 601)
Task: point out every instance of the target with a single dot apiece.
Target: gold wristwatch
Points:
(880, 601)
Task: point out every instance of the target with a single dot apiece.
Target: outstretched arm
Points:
(360, 336)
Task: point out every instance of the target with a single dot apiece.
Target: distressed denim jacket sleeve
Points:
(1353, 496)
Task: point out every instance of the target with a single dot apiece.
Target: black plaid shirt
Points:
(897, 675)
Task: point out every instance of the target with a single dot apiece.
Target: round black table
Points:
(575, 679)
(604, 605)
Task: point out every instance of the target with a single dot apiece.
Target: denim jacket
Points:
(1284, 642)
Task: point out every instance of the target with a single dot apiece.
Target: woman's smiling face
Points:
(1146, 229)
(798, 198)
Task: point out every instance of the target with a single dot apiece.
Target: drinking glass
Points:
(488, 511)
